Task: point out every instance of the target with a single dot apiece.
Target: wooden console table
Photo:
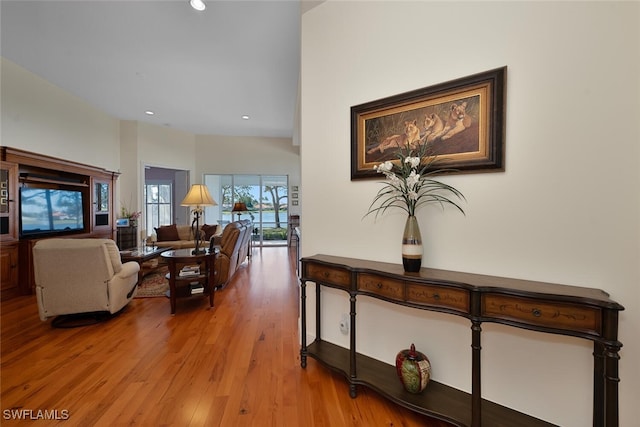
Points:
(566, 310)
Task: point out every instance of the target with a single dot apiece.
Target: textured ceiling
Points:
(199, 72)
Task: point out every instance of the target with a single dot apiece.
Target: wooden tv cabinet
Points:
(19, 168)
(559, 309)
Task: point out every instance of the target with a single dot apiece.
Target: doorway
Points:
(163, 190)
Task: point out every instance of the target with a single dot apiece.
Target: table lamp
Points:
(239, 207)
(198, 196)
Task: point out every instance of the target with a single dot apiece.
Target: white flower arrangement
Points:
(410, 184)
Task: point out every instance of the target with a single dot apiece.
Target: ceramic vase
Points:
(411, 245)
(414, 370)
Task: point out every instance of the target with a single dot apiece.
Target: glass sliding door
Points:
(274, 222)
(246, 189)
(266, 200)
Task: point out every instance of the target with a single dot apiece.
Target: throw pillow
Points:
(167, 233)
(209, 230)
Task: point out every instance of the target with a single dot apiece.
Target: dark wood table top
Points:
(142, 254)
(187, 253)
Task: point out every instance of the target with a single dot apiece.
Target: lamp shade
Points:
(198, 195)
(239, 207)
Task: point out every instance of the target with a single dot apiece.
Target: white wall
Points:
(144, 144)
(129, 180)
(566, 210)
(40, 117)
(167, 148)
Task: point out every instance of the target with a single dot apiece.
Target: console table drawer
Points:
(438, 296)
(380, 285)
(329, 275)
(569, 317)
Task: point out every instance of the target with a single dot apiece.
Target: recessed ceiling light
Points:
(198, 5)
(149, 113)
(245, 117)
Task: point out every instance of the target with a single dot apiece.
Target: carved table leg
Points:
(353, 391)
(598, 384)
(609, 368)
(303, 324)
(172, 285)
(476, 393)
(611, 380)
(352, 344)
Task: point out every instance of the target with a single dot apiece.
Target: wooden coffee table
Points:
(142, 255)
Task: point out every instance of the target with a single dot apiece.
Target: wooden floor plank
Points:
(236, 364)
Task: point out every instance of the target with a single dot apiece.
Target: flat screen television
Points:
(49, 211)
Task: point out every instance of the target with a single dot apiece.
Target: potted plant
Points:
(410, 184)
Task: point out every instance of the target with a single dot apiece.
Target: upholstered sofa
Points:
(234, 245)
(180, 236)
(74, 276)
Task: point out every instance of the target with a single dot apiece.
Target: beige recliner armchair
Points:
(81, 276)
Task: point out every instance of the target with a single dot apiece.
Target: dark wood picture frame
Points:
(463, 120)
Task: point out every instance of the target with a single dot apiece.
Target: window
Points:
(158, 210)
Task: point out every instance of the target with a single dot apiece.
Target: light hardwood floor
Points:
(236, 364)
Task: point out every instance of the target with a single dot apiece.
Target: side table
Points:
(180, 287)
